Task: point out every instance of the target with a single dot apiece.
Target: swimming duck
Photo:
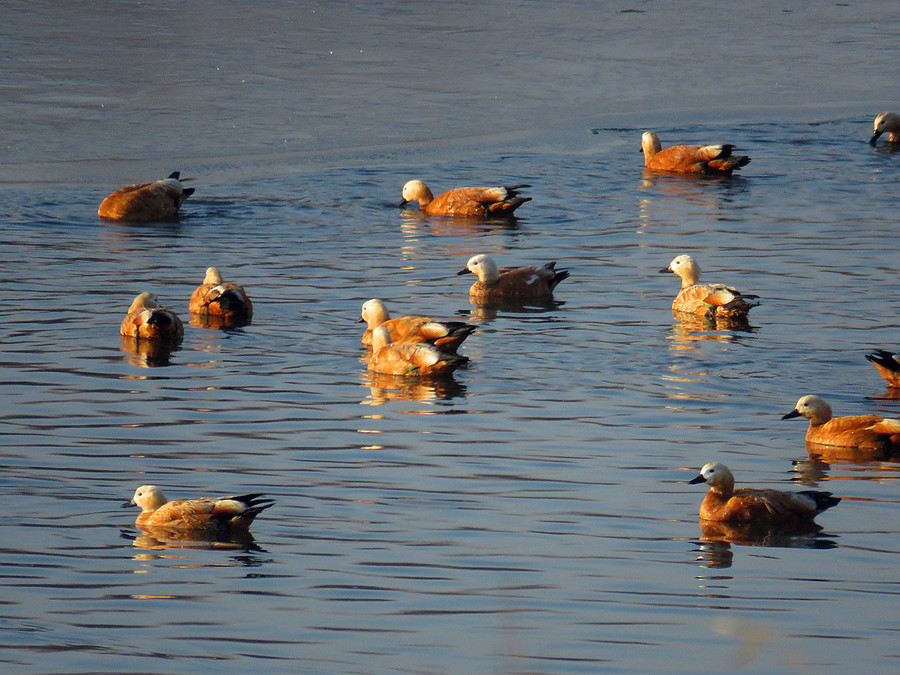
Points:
(446, 335)
(515, 283)
(710, 301)
(216, 297)
(886, 122)
(466, 201)
(865, 432)
(146, 319)
(702, 159)
(724, 503)
(146, 201)
(416, 359)
(204, 513)
(887, 364)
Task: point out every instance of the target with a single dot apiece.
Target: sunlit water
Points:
(530, 514)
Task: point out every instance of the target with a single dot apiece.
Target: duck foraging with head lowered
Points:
(146, 201)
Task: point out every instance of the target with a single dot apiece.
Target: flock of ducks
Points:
(424, 347)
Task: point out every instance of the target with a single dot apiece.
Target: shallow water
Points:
(530, 514)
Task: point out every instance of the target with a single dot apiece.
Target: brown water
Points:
(530, 515)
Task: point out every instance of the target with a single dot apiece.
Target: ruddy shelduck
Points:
(710, 301)
(445, 335)
(416, 359)
(515, 283)
(889, 123)
(872, 433)
(216, 297)
(477, 202)
(221, 514)
(756, 505)
(146, 201)
(887, 364)
(701, 159)
(147, 320)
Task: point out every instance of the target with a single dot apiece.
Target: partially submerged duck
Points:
(147, 320)
(445, 335)
(698, 159)
(514, 283)
(709, 301)
(466, 201)
(220, 514)
(146, 201)
(887, 364)
(872, 433)
(756, 505)
(416, 359)
(217, 298)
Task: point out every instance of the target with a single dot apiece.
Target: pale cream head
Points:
(380, 338)
(650, 144)
(148, 498)
(417, 191)
(814, 409)
(687, 268)
(213, 276)
(718, 477)
(145, 300)
(484, 267)
(374, 313)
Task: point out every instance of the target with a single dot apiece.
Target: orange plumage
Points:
(478, 202)
(764, 506)
(147, 320)
(146, 201)
(697, 159)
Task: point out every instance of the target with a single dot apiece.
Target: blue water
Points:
(529, 515)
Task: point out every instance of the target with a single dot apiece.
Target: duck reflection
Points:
(219, 321)
(691, 329)
(487, 311)
(159, 538)
(146, 353)
(411, 220)
(718, 537)
(384, 388)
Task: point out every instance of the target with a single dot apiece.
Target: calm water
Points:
(530, 515)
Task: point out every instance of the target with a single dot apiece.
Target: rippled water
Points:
(530, 514)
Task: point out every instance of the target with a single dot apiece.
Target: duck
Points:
(757, 505)
(445, 335)
(147, 320)
(465, 201)
(714, 160)
(220, 514)
(159, 200)
(872, 433)
(415, 359)
(516, 283)
(216, 297)
(887, 364)
(710, 301)
(886, 122)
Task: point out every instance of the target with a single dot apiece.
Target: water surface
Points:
(529, 515)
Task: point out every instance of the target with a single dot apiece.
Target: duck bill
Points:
(875, 138)
(403, 202)
(664, 270)
(698, 479)
(130, 502)
(464, 270)
(791, 415)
